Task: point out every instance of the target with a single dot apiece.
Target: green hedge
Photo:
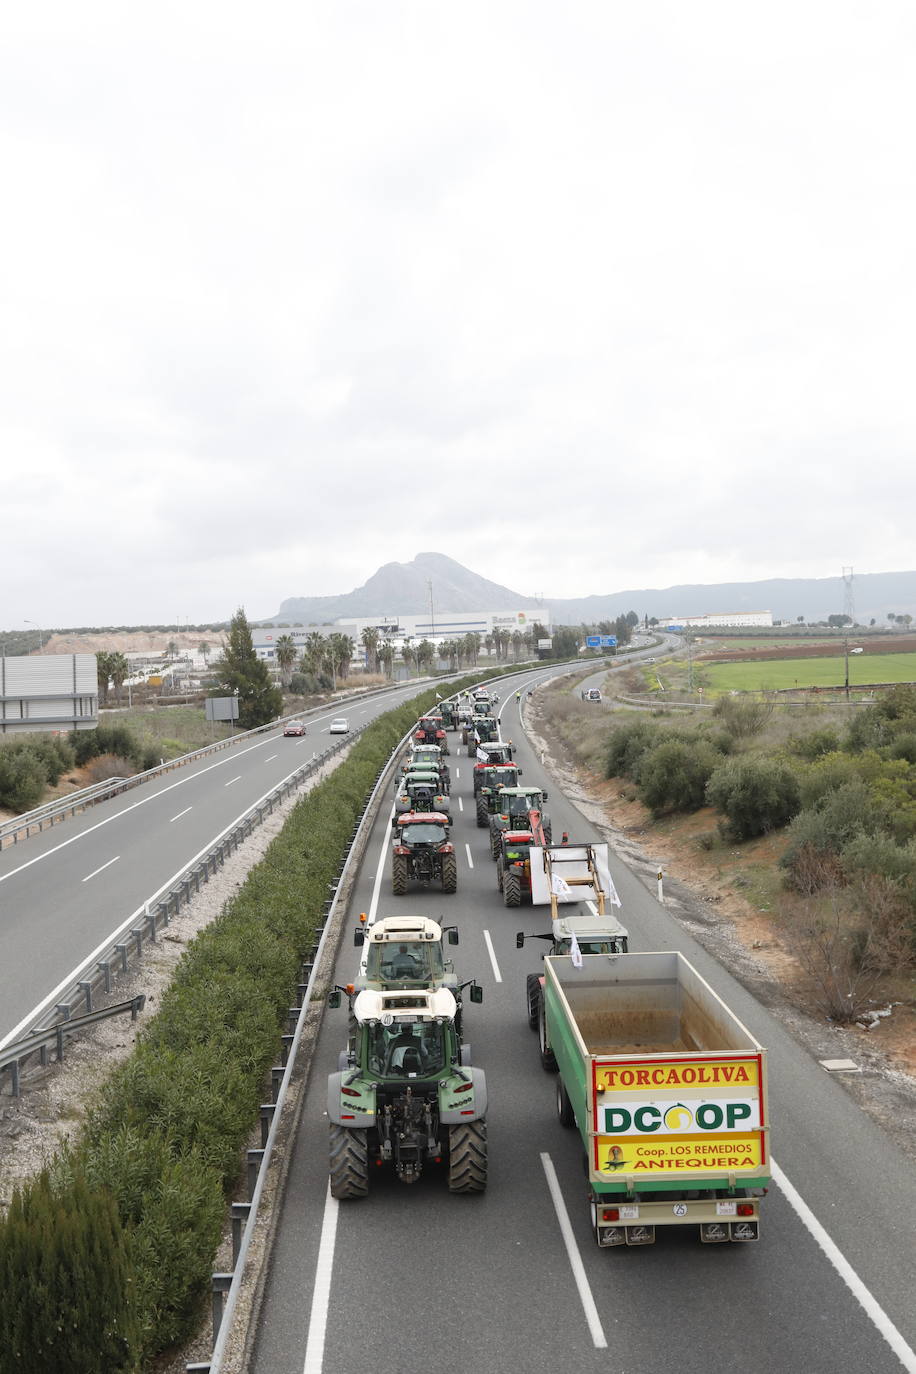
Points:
(165, 1139)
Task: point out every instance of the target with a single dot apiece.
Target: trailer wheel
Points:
(533, 998)
(349, 1162)
(399, 874)
(467, 1157)
(564, 1106)
(483, 812)
(548, 1060)
(512, 890)
(449, 873)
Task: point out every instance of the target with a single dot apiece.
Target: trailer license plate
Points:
(726, 1209)
(629, 1214)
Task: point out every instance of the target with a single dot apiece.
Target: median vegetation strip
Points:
(164, 1140)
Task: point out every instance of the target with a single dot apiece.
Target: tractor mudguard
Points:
(478, 1101)
(336, 1107)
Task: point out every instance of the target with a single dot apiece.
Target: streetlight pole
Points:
(38, 628)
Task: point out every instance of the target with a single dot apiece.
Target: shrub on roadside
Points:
(753, 795)
(673, 775)
(22, 779)
(627, 744)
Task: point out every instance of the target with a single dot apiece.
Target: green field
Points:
(808, 672)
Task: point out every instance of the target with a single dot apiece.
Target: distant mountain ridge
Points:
(403, 588)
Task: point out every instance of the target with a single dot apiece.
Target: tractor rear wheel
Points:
(483, 812)
(349, 1162)
(500, 873)
(449, 873)
(548, 1060)
(533, 998)
(399, 874)
(548, 832)
(512, 890)
(495, 839)
(467, 1157)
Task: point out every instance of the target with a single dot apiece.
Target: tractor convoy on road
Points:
(665, 1086)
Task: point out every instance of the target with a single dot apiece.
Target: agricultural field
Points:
(786, 673)
(712, 643)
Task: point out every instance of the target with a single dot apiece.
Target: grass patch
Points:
(786, 673)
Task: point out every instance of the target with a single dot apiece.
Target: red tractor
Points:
(430, 731)
(422, 851)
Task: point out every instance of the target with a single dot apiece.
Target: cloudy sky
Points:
(589, 297)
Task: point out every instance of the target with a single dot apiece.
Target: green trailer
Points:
(668, 1091)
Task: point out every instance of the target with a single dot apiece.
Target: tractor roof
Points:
(421, 1004)
(517, 837)
(587, 927)
(403, 929)
(423, 818)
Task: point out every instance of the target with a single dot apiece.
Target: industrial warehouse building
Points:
(706, 622)
(58, 692)
(398, 628)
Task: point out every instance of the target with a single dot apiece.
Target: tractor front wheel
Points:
(495, 842)
(399, 874)
(349, 1162)
(467, 1157)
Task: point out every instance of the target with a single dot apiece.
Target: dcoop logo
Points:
(679, 1119)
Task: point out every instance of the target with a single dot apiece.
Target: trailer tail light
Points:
(610, 1214)
(745, 1209)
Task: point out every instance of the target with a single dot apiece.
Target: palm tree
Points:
(488, 643)
(386, 656)
(286, 657)
(370, 638)
(119, 669)
(203, 649)
(426, 654)
(313, 653)
(103, 667)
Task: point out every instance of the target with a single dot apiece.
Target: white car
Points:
(339, 726)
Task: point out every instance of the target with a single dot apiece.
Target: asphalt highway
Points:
(412, 1278)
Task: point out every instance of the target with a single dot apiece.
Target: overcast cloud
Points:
(588, 297)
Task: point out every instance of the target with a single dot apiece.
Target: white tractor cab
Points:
(406, 1095)
(400, 951)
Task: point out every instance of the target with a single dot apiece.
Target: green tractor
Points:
(449, 713)
(420, 789)
(515, 803)
(489, 781)
(404, 1095)
(480, 730)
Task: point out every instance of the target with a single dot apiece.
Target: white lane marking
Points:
(71, 977)
(154, 796)
(460, 804)
(492, 953)
(872, 1307)
(270, 757)
(232, 780)
(379, 871)
(102, 869)
(457, 772)
(575, 1259)
(181, 813)
(470, 860)
(321, 1292)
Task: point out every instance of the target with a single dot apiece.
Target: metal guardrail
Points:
(40, 1040)
(95, 975)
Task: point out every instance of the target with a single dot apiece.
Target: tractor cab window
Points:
(421, 833)
(408, 963)
(409, 1049)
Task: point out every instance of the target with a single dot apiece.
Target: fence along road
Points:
(471, 1284)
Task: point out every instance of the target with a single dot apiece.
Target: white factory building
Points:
(437, 626)
(733, 619)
